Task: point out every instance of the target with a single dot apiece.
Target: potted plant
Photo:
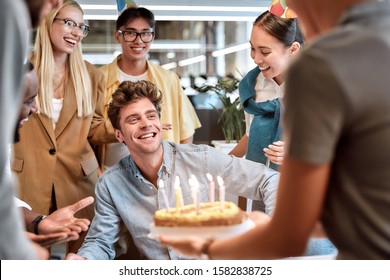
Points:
(231, 119)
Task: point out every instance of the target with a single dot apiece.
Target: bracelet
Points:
(36, 222)
(204, 251)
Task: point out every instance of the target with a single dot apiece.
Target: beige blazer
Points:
(62, 158)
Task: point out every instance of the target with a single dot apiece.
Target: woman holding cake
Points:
(337, 115)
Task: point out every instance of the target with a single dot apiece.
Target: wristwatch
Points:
(204, 251)
(36, 222)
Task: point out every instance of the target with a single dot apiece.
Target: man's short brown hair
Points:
(130, 92)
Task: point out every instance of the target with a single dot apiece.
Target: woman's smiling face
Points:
(65, 39)
(269, 54)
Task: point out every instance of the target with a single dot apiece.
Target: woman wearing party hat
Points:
(274, 41)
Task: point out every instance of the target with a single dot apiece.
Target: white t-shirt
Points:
(125, 77)
(57, 107)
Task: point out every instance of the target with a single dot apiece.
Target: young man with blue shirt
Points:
(128, 193)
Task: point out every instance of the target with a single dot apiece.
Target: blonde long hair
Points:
(43, 60)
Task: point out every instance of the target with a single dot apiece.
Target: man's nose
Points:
(145, 122)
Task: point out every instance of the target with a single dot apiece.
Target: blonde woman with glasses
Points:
(54, 160)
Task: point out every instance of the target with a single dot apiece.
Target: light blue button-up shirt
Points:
(123, 195)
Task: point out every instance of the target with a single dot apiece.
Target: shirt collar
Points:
(167, 157)
(166, 166)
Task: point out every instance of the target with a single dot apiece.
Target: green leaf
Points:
(232, 117)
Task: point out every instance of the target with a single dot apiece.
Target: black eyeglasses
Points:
(131, 35)
(71, 25)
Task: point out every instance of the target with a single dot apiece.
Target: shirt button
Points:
(52, 152)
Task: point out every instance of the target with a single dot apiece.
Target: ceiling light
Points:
(182, 12)
(192, 60)
(233, 49)
(170, 65)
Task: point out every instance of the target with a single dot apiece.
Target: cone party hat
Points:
(124, 4)
(279, 8)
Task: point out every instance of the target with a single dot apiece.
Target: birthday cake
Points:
(206, 215)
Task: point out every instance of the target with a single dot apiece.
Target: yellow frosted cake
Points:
(207, 215)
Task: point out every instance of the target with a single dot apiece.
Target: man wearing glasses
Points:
(135, 33)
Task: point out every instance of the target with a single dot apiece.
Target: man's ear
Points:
(116, 37)
(119, 136)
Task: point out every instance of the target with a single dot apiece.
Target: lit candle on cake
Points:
(212, 188)
(162, 189)
(178, 194)
(194, 191)
(221, 193)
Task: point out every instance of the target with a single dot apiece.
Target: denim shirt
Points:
(123, 195)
